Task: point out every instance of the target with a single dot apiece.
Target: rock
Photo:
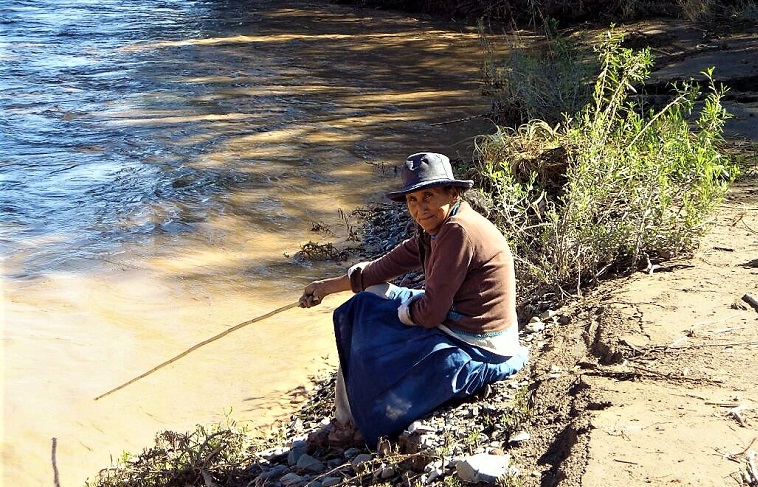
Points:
(294, 455)
(483, 468)
(419, 427)
(547, 314)
(434, 474)
(386, 473)
(309, 464)
(352, 453)
(519, 437)
(359, 460)
(330, 481)
(274, 472)
(535, 327)
(292, 480)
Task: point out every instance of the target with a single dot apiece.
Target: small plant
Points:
(472, 441)
(452, 481)
(208, 454)
(352, 234)
(510, 479)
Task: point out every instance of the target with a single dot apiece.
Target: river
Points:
(162, 163)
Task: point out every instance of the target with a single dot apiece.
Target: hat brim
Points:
(399, 196)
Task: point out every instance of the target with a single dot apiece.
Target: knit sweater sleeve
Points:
(398, 261)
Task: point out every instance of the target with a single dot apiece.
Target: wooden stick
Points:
(751, 301)
(56, 478)
(195, 347)
(751, 466)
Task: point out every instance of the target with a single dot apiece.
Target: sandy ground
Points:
(655, 379)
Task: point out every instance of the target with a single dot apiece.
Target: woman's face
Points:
(430, 206)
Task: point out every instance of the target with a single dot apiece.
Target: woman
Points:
(405, 352)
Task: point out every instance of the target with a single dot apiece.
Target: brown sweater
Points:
(468, 269)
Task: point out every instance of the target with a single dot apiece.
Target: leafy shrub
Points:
(614, 188)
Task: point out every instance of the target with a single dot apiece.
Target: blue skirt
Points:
(395, 374)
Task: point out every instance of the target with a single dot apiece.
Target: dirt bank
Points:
(653, 382)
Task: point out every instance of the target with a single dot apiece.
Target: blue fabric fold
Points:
(395, 374)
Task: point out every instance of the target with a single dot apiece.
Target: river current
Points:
(162, 163)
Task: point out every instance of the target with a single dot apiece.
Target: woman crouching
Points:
(404, 352)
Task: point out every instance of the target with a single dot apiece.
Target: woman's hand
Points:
(313, 294)
(318, 290)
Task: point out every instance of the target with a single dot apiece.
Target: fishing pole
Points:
(204, 342)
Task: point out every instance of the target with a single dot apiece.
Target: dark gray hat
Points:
(424, 170)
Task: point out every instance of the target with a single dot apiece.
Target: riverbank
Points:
(647, 380)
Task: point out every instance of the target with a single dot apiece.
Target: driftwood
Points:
(56, 477)
(751, 301)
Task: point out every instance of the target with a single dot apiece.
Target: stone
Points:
(292, 480)
(419, 427)
(386, 473)
(294, 455)
(547, 314)
(535, 327)
(434, 474)
(518, 437)
(276, 471)
(307, 463)
(330, 481)
(483, 467)
(360, 459)
(352, 453)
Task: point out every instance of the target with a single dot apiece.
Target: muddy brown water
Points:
(162, 163)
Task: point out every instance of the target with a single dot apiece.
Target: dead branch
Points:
(56, 477)
(751, 301)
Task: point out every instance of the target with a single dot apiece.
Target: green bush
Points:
(614, 188)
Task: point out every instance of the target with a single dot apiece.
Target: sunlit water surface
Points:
(162, 162)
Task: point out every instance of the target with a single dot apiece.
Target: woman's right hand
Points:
(312, 294)
(318, 290)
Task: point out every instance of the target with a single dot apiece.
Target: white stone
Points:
(483, 468)
(535, 327)
(519, 437)
(547, 314)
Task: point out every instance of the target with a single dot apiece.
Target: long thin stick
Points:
(56, 478)
(205, 342)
